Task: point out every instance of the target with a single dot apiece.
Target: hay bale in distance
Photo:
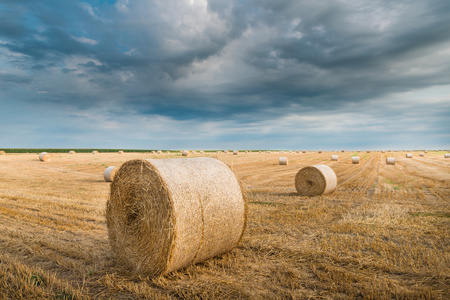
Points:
(303, 151)
(390, 160)
(166, 214)
(355, 160)
(334, 157)
(283, 161)
(2, 152)
(159, 152)
(45, 157)
(320, 151)
(185, 153)
(71, 152)
(315, 180)
(408, 155)
(109, 173)
(421, 154)
(120, 152)
(235, 152)
(94, 152)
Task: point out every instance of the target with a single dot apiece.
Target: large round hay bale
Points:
(45, 157)
(235, 152)
(2, 152)
(159, 152)
(185, 153)
(342, 150)
(320, 151)
(283, 161)
(95, 152)
(315, 180)
(408, 155)
(166, 214)
(121, 152)
(426, 151)
(71, 152)
(390, 160)
(355, 160)
(303, 151)
(109, 173)
(225, 151)
(202, 151)
(421, 154)
(447, 155)
(334, 157)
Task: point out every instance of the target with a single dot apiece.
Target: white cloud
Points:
(85, 40)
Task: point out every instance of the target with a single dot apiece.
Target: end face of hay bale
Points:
(165, 214)
(45, 157)
(283, 161)
(447, 155)
(421, 154)
(390, 160)
(185, 153)
(334, 157)
(315, 180)
(355, 160)
(109, 173)
(409, 155)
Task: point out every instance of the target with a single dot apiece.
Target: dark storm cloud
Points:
(220, 61)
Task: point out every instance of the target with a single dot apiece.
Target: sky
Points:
(235, 74)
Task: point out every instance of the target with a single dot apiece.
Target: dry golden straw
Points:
(408, 155)
(71, 152)
(2, 152)
(355, 160)
(166, 214)
(315, 180)
(185, 153)
(109, 173)
(45, 157)
(235, 152)
(334, 157)
(390, 160)
(283, 161)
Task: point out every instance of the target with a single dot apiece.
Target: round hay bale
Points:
(166, 214)
(426, 151)
(225, 151)
(109, 173)
(185, 153)
(71, 152)
(159, 152)
(2, 152)
(95, 152)
(153, 152)
(121, 152)
(342, 150)
(390, 160)
(320, 151)
(298, 151)
(367, 151)
(421, 154)
(408, 155)
(315, 180)
(334, 157)
(355, 160)
(303, 151)
(235, 152)
(45, 157)
(283, 161)
(201, 151)
(168, 152)
(447, 155)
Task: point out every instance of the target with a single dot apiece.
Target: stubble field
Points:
(383, 234)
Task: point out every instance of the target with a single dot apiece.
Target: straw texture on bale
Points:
(315, 180)
(120, 152)
(45, 157)
(2, 152)
(390, 160)
(447, 155)
(355, 160)
(95, 152)
(235, 152)
(185, 153)
(166, 214)
(334, 157)
(421, 154)
(408, 155)
(109, 173)
(283, 161)
(159, 152)
(72, 152)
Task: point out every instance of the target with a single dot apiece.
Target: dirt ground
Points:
(383, 234)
